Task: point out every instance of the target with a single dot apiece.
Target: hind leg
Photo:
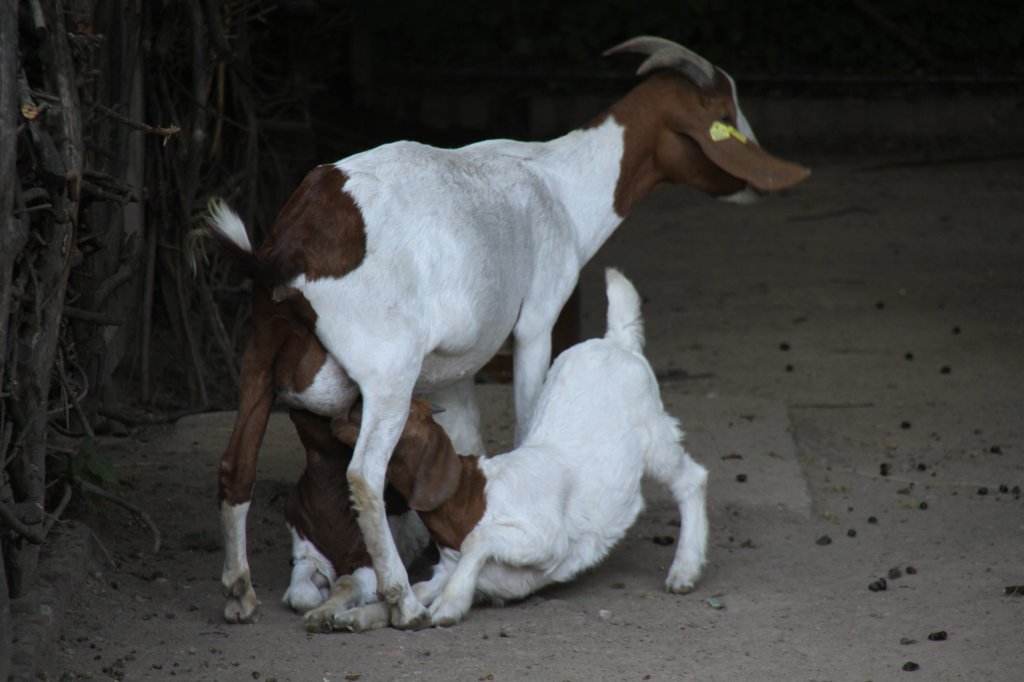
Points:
(669, 463)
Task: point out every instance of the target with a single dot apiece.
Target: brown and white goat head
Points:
(446, 489)
(687, 110)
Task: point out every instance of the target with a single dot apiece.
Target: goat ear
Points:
(743, 158)
(437, 474)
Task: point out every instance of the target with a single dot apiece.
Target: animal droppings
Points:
(741, 478)
(872, 519)
(880, 305)
(996, 450)
(983, 490)
(905, 425)
(789, 368)
(911, 570)
(823, 540)
(879, 585)
(956, 330)
(895, 573)
(783, 346)
(908, 356)
(910, 666)
(851, 533)
(938, 636)
(945, 369)
(922, 506)
(883, 469)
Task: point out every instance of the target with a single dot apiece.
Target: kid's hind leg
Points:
(670, 464)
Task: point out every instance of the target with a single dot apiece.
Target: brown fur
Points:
(318, 507)
(320, 231)
(445, 488)
(667, 119)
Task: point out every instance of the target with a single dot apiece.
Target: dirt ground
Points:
(846, 358)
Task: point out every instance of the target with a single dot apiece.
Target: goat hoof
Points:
(418, 622)
(679, 589)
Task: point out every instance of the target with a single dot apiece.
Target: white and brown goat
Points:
(413, 264)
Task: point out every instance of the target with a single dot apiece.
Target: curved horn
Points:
(667, 54)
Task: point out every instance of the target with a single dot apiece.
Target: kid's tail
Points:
(625, 324)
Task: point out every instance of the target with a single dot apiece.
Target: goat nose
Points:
(747, 195)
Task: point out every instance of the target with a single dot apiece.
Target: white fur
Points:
(235, 580)
(312, 575)
(557, 504)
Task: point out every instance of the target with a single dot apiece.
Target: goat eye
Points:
(726, 118)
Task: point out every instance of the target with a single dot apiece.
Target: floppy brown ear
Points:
(743, 158)
(435, 469)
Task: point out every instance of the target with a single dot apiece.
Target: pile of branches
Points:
(120, 120)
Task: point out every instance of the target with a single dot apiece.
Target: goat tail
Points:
(625, 323)
(225, 227)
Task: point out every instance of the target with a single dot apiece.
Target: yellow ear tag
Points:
(723, 131)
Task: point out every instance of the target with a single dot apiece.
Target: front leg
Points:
(530, 360)
(456, 597)
(384, 416)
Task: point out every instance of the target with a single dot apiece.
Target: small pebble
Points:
(945, 369)
(904, 425)
(908, 356)
(872, 519)
(824, 540)
(1004, 488)
(783, 346)
(789, 368)
(938, 636)
(923, 506)
(741, 478)
(883, 469)
(983, 490)
(895, 573)
(880, 305)
(910, 666)
(911, 570)
(907, 641)
(996, 450)
(922, 467)
(956, 330)
(879, 585)
(851, 533)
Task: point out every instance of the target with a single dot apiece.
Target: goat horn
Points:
(667, 54)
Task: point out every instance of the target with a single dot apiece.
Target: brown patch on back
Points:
(320, 231)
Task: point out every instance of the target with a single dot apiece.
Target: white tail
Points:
(625, 324)
(227, 223)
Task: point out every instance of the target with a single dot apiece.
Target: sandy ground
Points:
(854, 347)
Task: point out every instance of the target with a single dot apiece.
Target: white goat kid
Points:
(413, 264)
(557, 504)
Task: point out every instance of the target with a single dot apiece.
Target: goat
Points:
(413, 264)
(329, 558)
(556, 505)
